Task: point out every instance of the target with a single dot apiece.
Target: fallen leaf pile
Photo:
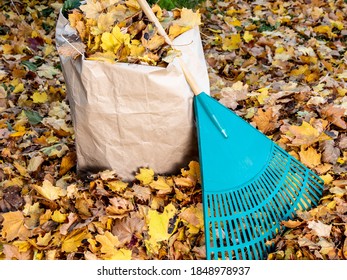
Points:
(279, 65)
(115, 30)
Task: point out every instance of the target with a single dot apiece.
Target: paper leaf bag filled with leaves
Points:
(130, 103)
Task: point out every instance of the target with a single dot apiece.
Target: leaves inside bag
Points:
(118, 31)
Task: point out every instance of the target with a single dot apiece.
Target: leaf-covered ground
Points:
(280, 65)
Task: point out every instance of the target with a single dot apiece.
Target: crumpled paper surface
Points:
(128, 116)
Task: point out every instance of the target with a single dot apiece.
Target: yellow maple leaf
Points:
(327, 178)
(232, 42)
(193, 171)
(176, 30)
(49, 191)
(312, 77)
(114, 40)
(117, 186)
(158, 11)
(184, 182)
(104, 23)
(306, 134)
(18, 88)
(74, 240)
(263, 96)
(13, 226)
(111, 41)
(145, 176)
(48, 49)
(44, 240)
(324, 29)
(136, 49)
(159, 223)
(301, 70)
(133, 4)
(45, 217)
(338, 24)
(121, 254)
(310, 157)
(233, 21)
(160, 184)
(247, 37)
(23, 246)
(92, 9)
(189, 18)
(109, 244)
(107, 57)
(39, 97)
(59, 217)
(20, 130)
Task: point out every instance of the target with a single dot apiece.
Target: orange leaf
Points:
(310, 157)
(68, 161)
(292, 224)
(266, 121)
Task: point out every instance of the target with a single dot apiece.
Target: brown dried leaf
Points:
(229, 96)
(343, 142)
(74, 49)
(143, 193)
(320, 229)
(266, 121)
(126, 229)
(72, 218)
(119, 206)
(330, 152)
(12, 252)
(334, 114)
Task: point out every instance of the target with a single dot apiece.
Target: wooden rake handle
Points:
(151, 16)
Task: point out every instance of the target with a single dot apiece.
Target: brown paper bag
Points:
(128, 116)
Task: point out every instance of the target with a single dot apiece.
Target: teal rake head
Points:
(249, 184)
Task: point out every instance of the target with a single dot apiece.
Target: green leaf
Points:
(46, 12)
(30, 65)
(265, 26)
(33, 117)
(171, 4)
(70, 5)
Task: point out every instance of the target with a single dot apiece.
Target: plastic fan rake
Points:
(249, 183)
